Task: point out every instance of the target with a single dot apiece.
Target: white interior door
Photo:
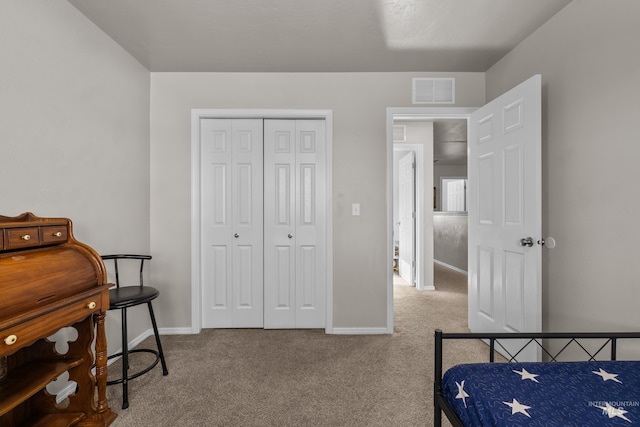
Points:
(454, 191)
(406, 216)
(505, 280)
(231, 223)
(295, 222)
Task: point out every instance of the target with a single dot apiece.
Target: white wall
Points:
(74, 129)
(358, 101)
(587, 55)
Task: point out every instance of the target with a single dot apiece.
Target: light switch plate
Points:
(355, 209)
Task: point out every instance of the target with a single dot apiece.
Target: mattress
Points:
(545, 394)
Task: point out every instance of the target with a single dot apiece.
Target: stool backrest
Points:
(117, 257)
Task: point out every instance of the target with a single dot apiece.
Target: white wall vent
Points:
(434, 90)
(399, 133)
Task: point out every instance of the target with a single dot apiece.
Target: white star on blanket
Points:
(517, 407)
(461, 393)
(526, 375)
(607, 376)
(614, 412)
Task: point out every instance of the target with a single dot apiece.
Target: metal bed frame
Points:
(535, 339)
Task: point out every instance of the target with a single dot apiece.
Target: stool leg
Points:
(125, 361)
(155, 331)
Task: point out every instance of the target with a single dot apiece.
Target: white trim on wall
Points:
(196, 115)
(451, 267)
(360, 331)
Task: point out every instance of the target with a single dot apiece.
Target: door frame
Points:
(417, 112)
(196, 116)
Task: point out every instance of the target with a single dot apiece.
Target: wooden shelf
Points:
(28, 379)
(56, 420)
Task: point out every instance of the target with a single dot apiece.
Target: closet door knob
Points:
(236, 235)
(290, 236)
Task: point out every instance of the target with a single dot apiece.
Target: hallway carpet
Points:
(255, 377)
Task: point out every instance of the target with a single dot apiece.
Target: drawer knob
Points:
(58, 234)
(10, 340)
(91, 305)
(26, 237)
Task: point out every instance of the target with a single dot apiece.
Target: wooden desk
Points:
(49, 280)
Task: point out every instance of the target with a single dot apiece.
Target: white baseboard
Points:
(444, 264)
(175, 331)
(360, 331)
(65, 392)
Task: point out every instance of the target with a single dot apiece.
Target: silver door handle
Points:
(528, 241)
(290, 236)
(236, 235)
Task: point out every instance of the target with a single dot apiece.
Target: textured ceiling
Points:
(318, 35)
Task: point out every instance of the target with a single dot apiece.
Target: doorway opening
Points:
(426, 197)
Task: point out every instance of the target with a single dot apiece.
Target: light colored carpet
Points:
(255, 377)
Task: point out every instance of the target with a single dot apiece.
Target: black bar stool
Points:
(121, 298)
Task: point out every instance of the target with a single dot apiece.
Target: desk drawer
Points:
(53, 234)
(26, 333)
(22, 237)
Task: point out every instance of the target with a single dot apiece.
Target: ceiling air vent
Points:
(434, 90)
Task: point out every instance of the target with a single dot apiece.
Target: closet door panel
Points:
(232, 208)
(215, 148)
(279, 217)
(294, 155)
(310, 224)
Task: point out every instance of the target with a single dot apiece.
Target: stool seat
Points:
(121, 298)
(128, 296)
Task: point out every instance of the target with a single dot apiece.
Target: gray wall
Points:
(74, 129)
(359, 102)
(451, 239)
(587, 55)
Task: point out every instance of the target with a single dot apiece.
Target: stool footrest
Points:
(137, 374)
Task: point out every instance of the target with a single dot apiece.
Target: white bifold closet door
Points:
(232, 227)
(294, 224)
(263, 223)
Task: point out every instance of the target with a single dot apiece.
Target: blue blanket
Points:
(545, 394)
